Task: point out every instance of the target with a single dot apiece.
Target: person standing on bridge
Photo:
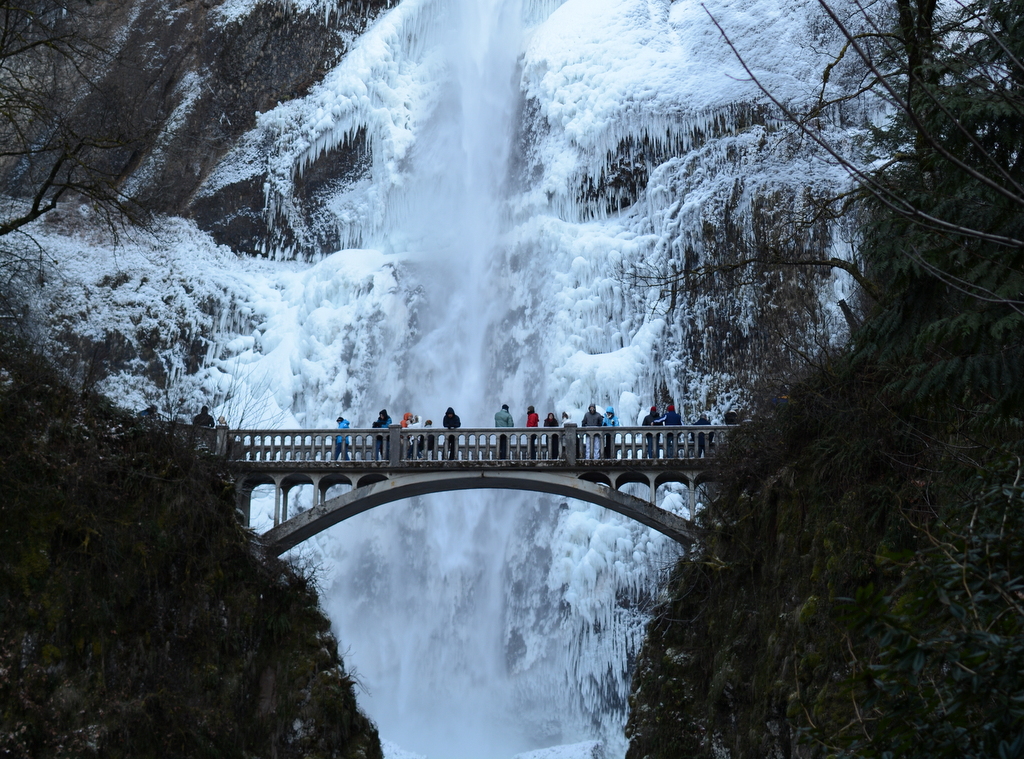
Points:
(532, 420)
(203, 418)
(341, 441)
(700, 435)
(383, 441)
(415, 441)
(592, 419)
(451, 421)
(670, 419)
(503, 419)
(550, 421)
(649, 438)
(428, 440)
(406, 422)
(610, 420)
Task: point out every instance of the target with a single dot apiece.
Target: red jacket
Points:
(532, 420)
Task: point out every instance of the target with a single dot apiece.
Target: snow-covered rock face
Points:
(575, 159)
(530, 176)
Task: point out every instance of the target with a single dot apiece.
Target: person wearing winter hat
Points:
(670, 419)
(503, 418)
(592, 419)
(383, 421)
(451, 421)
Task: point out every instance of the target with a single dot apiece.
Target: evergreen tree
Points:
(947, 223)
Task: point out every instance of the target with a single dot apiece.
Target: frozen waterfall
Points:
(528, 162)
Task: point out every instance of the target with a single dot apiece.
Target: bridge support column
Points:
(319, 492)
(222, 441)
(692, 491)
(280, 499)
(652, 481)
(243, 502)
(570, 442)
(395, 438)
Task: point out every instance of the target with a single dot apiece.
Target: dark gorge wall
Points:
(137, 616)
(749, 645)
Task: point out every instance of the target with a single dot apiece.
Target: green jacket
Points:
(503, 419)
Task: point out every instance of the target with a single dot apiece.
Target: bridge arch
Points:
(370, 479)
(635, 477)
(320, 517)
(666, 477)
(598, 478)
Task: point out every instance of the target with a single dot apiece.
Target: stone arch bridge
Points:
(384, 465)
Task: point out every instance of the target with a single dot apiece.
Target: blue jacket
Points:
(670, 419)
(342, 425)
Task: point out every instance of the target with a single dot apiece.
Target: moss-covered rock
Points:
(137, 616)
(749, 645)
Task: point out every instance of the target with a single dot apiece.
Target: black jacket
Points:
(202, 419)
(451, 419)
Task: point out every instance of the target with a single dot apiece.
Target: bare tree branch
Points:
(882, 193)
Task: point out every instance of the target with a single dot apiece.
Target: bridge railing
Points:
(397, 446)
